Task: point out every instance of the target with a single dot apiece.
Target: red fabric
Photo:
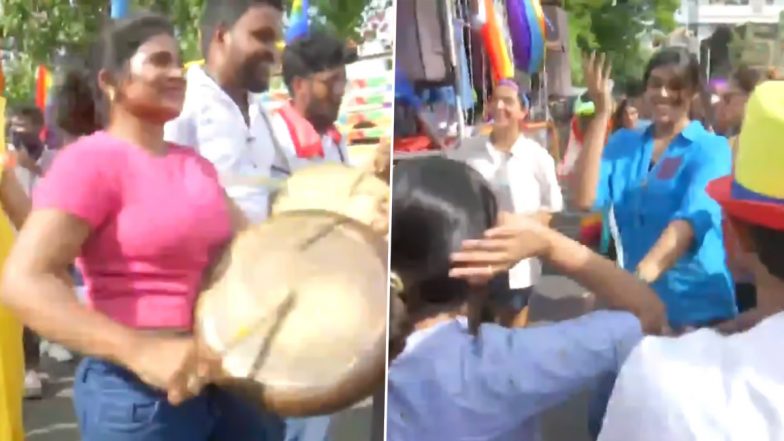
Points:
(420, 143)
(579, 135)
(766, 214)
(307, 141)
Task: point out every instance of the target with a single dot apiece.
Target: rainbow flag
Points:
(43, 84)
(298, 20)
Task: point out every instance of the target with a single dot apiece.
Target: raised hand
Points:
(597, 73)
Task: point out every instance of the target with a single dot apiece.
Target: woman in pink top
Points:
(143, 219)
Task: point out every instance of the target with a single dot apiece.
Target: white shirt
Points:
(524, 183)
(332, 152)
(27, 179)
(702, 387)
(212, 123)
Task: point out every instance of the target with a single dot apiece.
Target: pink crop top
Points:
(156, 222)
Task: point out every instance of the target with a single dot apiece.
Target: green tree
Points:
(37, 32)
(616, 27)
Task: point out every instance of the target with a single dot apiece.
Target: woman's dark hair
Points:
(437, 203)
(617, 119)
(747, 78)
(688, 70)
(81, 107)
(686, 66)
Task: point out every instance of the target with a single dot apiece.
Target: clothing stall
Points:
(452, 52)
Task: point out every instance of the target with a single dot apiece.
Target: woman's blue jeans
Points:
(308, 429)
(112, 404)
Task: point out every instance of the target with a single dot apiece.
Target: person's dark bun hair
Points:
(75, 111)
(81, 108)
(437, 204)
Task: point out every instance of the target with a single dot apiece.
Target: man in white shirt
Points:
(223, 121)
(705, 385)
(522, 174)
(220, 116)
(33, 156)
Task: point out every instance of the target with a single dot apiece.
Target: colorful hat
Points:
(754, 193)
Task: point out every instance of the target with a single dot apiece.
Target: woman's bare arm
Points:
(619, 289)
(35, 288)
(673, 243)
(585, 177)
(13, 198)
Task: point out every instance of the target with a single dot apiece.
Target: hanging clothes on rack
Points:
(421, 41)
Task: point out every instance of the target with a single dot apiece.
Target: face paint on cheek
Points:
(136, 63)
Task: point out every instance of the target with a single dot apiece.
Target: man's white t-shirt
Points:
(212, 123)
(524, 182)
(27, 179)
(702, 387)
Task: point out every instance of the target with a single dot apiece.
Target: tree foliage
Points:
(617, 28)
(34, 32)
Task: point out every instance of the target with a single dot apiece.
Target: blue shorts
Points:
(112, 404)
(504, 297)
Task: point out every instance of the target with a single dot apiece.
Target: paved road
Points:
(51, 419)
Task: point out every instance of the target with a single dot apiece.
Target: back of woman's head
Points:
(81, 105)
(437, 203)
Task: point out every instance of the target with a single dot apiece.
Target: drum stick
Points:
(248, 329)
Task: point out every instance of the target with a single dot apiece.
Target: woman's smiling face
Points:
(668, 94)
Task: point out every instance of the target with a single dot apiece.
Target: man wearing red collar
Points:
(314, 70)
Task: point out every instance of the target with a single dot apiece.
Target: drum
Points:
(352, 192)
(299, 311)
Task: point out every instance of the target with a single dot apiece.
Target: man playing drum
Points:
(314, 71)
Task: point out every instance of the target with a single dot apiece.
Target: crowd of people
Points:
(144, 195)
(117, 225)
(683, 347)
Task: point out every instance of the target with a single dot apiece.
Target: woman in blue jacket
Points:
(670, 230)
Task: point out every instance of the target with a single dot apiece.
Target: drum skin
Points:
(299, 313)
(351, 192)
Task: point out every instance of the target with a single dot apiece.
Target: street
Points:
(52, 419)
